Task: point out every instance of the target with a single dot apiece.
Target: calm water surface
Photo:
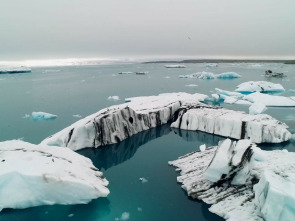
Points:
(83, 90)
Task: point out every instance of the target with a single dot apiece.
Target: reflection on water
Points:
(206, 138)
(112, 155)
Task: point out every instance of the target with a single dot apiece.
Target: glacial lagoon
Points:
(74, 91)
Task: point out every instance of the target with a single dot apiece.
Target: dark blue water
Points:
(83, 90)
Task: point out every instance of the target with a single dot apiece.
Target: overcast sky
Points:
(40, 29)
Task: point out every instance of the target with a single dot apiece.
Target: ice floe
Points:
(228, 75)
(259, 86)
(41, 116)
(114, 98)
(77, 115)
(211, 65)
(199, 75)
(191, 85)
(270, 73)
(4, 69)
(228, 123)
(33, 175)
(175, 66)
(241, 181)
(257, 108)
(292, 91)
(270, 100)
(116, 123)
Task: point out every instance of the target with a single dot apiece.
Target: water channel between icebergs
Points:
(160, 198)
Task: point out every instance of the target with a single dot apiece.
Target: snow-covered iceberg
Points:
(241, 181)
(228, 75)
(199, 75)
(270, 100)
(33, 175)
(14, 69)
(116, 123)
(259, 86)
(175, 66)
(228, 123)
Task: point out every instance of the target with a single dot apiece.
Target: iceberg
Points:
(175, 66)
(259, 86)
(211, 65)
(34, 175)
(234, 124)
(292, 91)
(14, 69)
(241, 181)
(270, 73)
(257, 108)
(114, 98)
(116, 123)
(42, 116)
(199, 75)
(270, 100)
(228, 75)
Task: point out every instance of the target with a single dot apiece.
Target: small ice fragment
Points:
(113, 98)
(292, 91)
(26, 116)
(203, 147)
(82, 81)
(71, 215)
(211, 65)
(167, 77)
(139, 209)
(175, 66)
(117, 219)
(143, 180)
(42, 116)
(77, 115)
(191, 85)
(125, 216)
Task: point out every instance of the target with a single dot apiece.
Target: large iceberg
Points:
(241, 181)
(33, 175)
(14, 69)
(228, 123)
(116, 123)
(259, 86)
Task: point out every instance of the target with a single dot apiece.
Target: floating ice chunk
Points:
(175, 66)
(259, 86)
(211, 65)
(143, 180)
(228, 123)
(199, 75)
(126, 72)
(141, 72)
(139, 209)
(203, 147)
(270, 73)
(27, 116)
(229, 93)
(191, 85)
(77, 115)
(292, 91)
(167, 77)
(125, 216)
(114, 98)
(270, 100)
(4, 69)
(257, 108)
(228, 75)
(42, 116)
(275, 196)
(71, 215)
(46, 175)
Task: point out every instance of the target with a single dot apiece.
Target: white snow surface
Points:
(116, 123)
(259, 86)
(42, 116)
(33, 175)
(257, 108)
(260, 128)
(233, 171)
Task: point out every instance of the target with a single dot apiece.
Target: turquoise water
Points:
(83, 90)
